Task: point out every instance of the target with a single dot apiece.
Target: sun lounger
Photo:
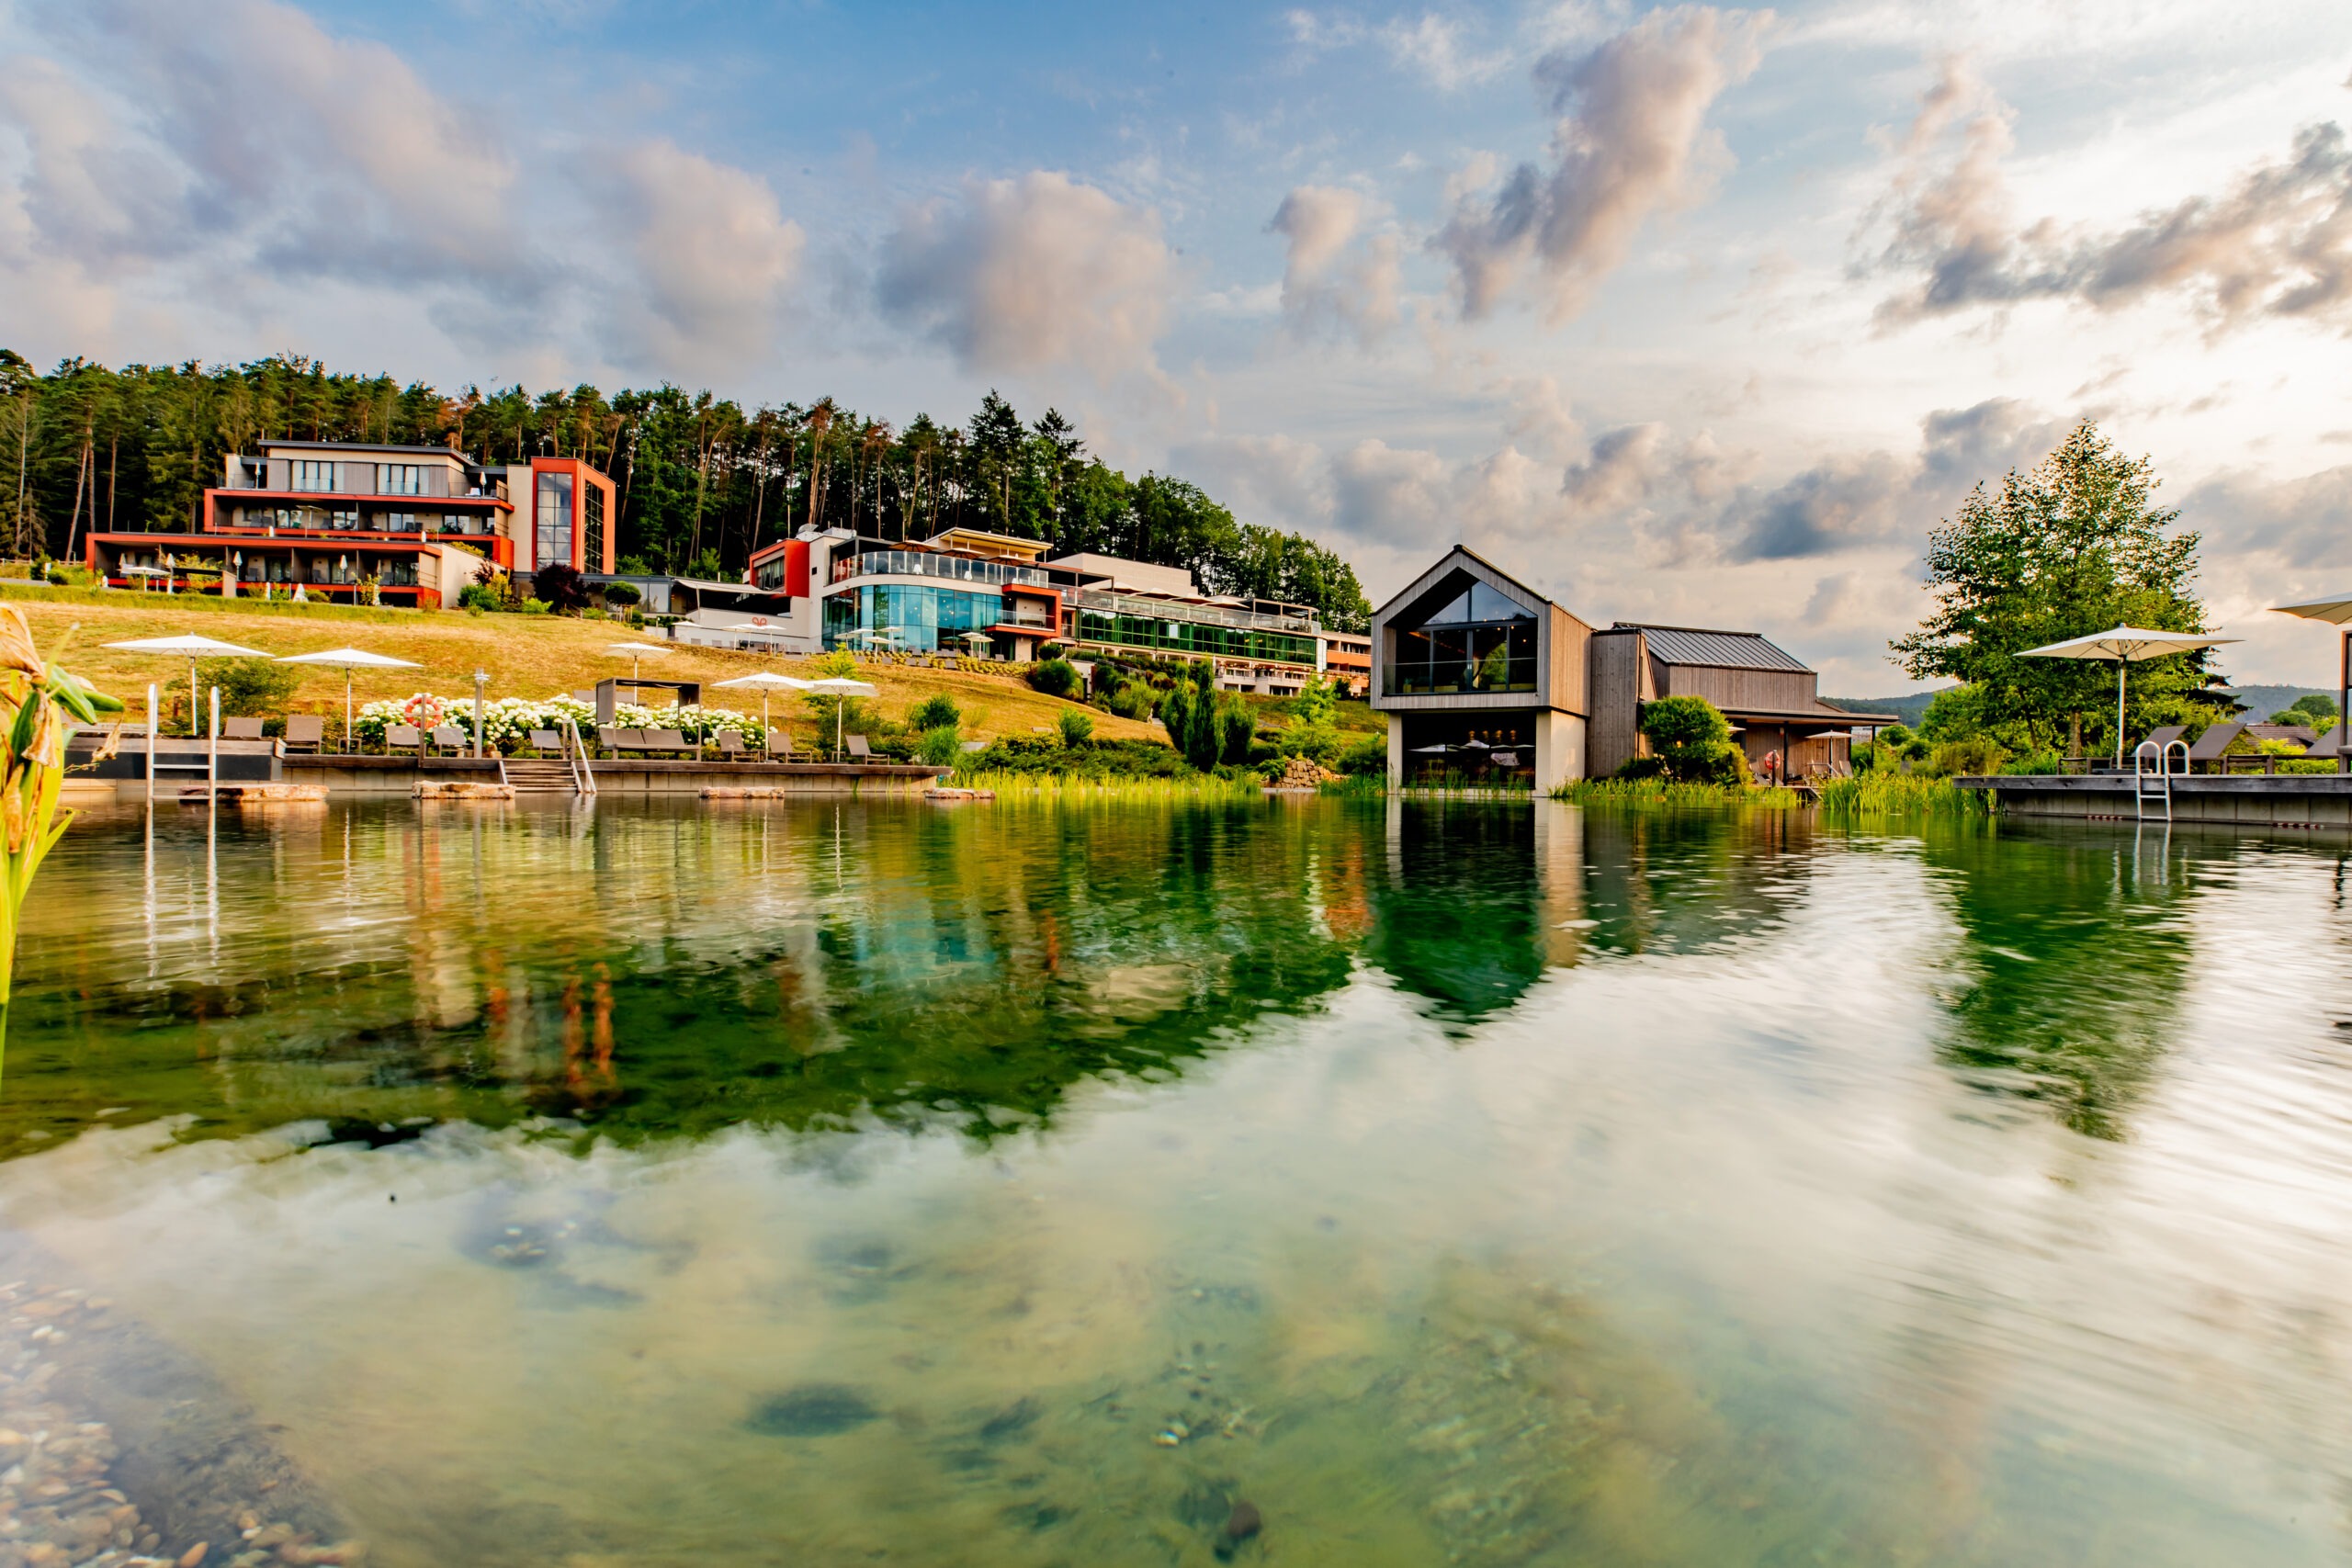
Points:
(2326, 744)
(403, 738)
(779, 745)
(667, 740)
(306, 732)
(546, 741)
(241, 729)
(2164, 736)
(860, 750)
(448, 737)
(729, 743)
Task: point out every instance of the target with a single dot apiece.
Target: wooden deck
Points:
(2247, 800)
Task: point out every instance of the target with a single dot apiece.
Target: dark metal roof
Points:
(1722, 650)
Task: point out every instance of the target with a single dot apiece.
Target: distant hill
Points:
(2261, 701)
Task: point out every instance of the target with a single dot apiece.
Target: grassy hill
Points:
(525, 656)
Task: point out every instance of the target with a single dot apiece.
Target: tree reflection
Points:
(2076, 958)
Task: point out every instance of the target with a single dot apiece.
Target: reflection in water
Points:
(1337, 1183)
(2070, 985)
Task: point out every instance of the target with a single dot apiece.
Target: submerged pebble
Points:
(812, 1410)
(1243, 1524)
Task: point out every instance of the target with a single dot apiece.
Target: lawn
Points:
(525, 656)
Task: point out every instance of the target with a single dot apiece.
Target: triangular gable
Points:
(1439, 583)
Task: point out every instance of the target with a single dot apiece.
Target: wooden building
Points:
(1771, 698)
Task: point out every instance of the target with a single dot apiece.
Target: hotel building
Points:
(422, 521)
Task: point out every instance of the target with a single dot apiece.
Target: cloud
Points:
(2299, 521)
(712, 302)
(1629, 139)
(241, 162)
(1041, 271)
(2278, 244)
(1431, 45)
(1322, 286)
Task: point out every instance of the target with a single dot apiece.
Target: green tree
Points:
(2075, 546)
(1690, 739)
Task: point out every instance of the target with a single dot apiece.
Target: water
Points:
(826, 1182)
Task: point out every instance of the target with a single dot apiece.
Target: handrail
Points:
(2163, 774)
(575, 757)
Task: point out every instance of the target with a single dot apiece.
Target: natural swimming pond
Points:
(836, 1181)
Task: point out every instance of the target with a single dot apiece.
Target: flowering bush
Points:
(507, 724)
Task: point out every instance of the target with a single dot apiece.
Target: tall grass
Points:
(1903, 794)
(1651, 793)
(1079, 786)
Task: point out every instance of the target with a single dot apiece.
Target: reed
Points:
(1902, 794)
(1082, 787)
(1656, 793)
(40, 704)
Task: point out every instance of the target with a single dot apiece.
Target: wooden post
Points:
(150, 743)
(212, 750)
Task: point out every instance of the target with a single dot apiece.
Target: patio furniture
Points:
(667, 740)
(403, 738)
(240, 728)
(779, 745)
(731, 744)
(608, 739)
(447, 738)
(860, 750)
(2326, 744)
(2213, 743)
(306, 732)
(2164, 735)
(546, 741)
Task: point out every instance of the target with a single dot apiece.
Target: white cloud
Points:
(1431, 45)
(709, 303)
(1323, 283)
(1630, 140)
(1042, 271)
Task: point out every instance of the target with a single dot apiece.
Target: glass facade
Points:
(592, 511)
(401, 479)
(922, 563)
(308, 474)
(553, 535)
(1480, 641)
(926, 619)
(1166, 634)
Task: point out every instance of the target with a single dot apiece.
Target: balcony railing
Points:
(922, 563)
(1451, 676)
(1199, 615)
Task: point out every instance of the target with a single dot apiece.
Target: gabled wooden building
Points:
(1771, 698)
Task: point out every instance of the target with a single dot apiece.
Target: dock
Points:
(2243, 800)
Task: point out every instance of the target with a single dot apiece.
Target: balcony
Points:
(1453, 677)
(922, 563)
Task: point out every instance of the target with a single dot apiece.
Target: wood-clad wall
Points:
(1619, 663)
(1568, 654)
(1775, 691)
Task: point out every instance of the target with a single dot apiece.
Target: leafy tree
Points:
(559, 584)
(934, 711)
(1312, 730)
(1691, 740)
(2075, 546)
(1078, 726)
(1055, 677)
(622, 594)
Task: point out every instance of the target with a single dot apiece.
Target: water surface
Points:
(821, 1182)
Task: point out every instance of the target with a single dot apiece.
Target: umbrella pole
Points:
(346, 707)
(2120, 666)
(2343, 695)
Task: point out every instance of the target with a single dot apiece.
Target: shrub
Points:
(1055, 677)
(1312, 730)
(1365, 756)
(478, 596)
(1133, 699)
(249, 686)
(1977, 755)
(1035, 755)
(1692, 740)
(841, 662)
(534, 606)
(622, 594)
(935, 711)
(560, 585)
(1077, 728)
(942, 746)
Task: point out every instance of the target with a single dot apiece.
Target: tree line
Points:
(702, 481)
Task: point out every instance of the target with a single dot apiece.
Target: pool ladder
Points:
(2155, 784)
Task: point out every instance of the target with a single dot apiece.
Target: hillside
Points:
(525, 656)
(2261, 701)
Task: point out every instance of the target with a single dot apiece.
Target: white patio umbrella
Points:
(2336, 612)
(766, 683)
(348, 660)
(635, 651)
(2126, 646)
(840, 686)
(191, 647)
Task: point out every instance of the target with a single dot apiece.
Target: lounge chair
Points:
(306, 732)
(667, 740)
(2326, 744)
(2210, 746)
(448, 737)
(403, 738)
(779, 745)
(546, 741)
(860, 750)
(608, 739)
(241, 729)
(729, 743)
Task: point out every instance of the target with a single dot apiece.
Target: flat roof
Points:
(364, 446)
(1719, 649)
(1031, 549)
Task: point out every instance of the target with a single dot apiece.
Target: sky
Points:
(1692, 314)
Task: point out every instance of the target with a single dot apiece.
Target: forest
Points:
(703, 482)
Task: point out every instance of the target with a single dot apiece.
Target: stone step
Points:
(540, 776)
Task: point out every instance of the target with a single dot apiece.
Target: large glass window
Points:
(591, 508)
(313, 476)
(401, 479)
(1478, 640)
(1200, 639)
(925, 619)
(554, 533)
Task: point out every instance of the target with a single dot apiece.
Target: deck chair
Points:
(631, 741)
(860, 750)
(547, 740)
(2326, 744)
(447, 738)
(2160, 738)
(779, 745)
(667, 740)
(2210, 746)
(730, 744)
(608, 739)
(306, 732)
(241, 729)
(403, 738)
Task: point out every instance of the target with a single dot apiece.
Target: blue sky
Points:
(1695, 314)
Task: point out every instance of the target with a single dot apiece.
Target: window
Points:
(401, 479)
(554, 533)
(592, 506)
(313, 476)
(1478, 603)
(342, 521)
